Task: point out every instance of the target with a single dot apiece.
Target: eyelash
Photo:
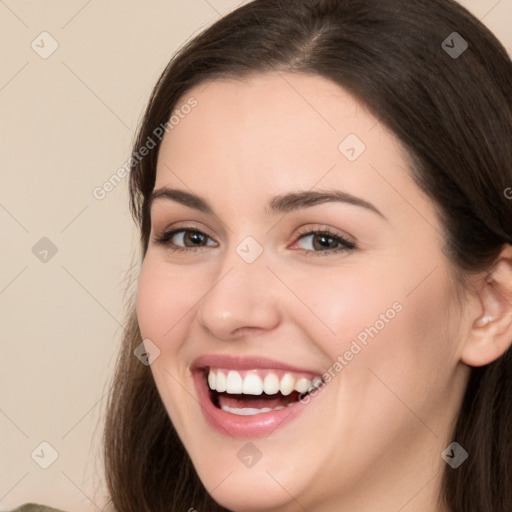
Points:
(346, 245)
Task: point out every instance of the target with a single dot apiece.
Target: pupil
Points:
(195, 237)
(323, 239)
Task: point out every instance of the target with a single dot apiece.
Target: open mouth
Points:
(251, 392)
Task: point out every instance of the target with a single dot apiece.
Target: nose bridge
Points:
(240, 296)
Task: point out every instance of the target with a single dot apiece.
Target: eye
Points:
(324, 241)
(185, 236)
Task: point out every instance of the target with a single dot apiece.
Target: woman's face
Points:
(258, 297)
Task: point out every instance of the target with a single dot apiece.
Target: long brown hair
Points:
(452, 112)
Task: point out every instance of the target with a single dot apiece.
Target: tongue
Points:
(256, 402)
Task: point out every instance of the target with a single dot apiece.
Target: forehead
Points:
(270, 111)
(276, 131)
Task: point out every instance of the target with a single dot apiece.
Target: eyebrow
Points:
(284, 203)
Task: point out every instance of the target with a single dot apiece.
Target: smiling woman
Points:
(340, 179)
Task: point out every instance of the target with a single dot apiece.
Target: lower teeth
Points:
(250, 411)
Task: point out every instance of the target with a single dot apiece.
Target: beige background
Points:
(66, 125)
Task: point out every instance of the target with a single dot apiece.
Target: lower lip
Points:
(235, 425)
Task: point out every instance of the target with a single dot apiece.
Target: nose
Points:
(242, 297)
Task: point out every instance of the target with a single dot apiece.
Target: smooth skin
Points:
(372, 438)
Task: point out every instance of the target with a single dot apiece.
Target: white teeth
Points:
(220, 382)
(234, 383)
(287, 384)
(251, 411)
(271, 384)
(252, 385)
(231, 381)
(211, 380)
(302, 385)
(317, 381)
(246, 411)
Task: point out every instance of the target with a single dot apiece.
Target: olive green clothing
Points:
(34, 507)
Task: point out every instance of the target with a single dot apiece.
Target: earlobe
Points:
(490, 335)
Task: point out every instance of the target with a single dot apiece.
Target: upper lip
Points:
(245, 363)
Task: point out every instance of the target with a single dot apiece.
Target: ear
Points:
(491, 333)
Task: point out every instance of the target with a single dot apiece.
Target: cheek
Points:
(391, 359)
(163, 299)
(370, 328)
(345, 307)
(406, 365)
(162, 302)
(151, 301)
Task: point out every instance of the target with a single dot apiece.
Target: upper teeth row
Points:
(232, 382)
